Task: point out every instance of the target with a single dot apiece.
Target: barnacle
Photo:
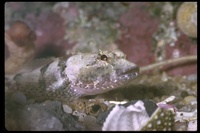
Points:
(79, 105)
(95, 107)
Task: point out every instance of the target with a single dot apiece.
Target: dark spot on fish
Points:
(42, 82)
(62, 65)
(17, 76)
(62, 62)
(44, 69)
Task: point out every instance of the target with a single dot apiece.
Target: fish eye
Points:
(104, 57)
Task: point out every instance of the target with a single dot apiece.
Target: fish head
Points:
(91, 74)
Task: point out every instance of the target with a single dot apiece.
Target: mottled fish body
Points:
(68, 78)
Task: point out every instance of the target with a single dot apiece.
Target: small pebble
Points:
(91, 124)
(20, 98)
(67, 109)
(79, 115)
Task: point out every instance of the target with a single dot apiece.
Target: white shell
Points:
(131, 118)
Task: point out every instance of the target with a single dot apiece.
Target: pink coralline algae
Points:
(50, 30)
(138, 28)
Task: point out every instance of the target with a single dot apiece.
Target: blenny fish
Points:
(68, 78)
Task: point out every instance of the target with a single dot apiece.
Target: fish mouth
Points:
(132, 70)
(109, 84)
